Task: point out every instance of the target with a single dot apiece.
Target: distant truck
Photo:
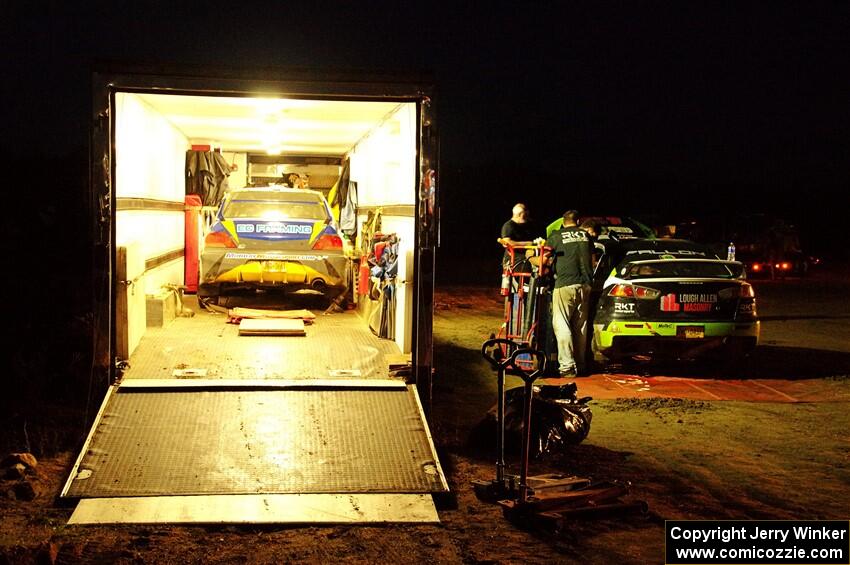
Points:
(766, 244)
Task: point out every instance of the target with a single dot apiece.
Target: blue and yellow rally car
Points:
(272, 237)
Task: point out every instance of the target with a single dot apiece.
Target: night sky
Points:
(664, 109)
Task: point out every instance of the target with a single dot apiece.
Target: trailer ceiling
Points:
(271, 125)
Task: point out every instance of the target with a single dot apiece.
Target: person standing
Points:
(571, 255)
(519, 230)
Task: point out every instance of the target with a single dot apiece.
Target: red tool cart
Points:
(522, 286)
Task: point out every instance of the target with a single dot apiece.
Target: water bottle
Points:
(730, 253)
(506, 285)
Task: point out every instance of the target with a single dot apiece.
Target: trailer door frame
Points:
(293, 84)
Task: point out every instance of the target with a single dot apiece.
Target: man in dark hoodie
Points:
(571, 256)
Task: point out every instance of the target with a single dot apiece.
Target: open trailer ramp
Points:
(260, 451)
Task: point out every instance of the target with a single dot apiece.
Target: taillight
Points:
(219, 239)
(633, 291)
(622, 291)
(744, 290)
(328, 241)
(645, 293)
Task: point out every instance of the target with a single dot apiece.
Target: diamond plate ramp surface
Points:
(214, 441)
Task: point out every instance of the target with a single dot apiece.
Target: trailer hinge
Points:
(121, 367)
(103, 205)
(130, 283)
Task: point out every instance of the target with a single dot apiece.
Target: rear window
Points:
(261, 206)
(680, 269)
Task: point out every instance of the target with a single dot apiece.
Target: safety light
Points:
(219, 239)
(328, 241)
(633, 291)
(785, 266)
(756, 267)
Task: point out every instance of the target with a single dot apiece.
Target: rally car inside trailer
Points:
(282, 411)
(670, 298)
(273, 238)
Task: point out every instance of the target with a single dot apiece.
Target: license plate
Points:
(690, 332)
(274, 266)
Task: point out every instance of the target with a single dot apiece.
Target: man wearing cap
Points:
(571, 256)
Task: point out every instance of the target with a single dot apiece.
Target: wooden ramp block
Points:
(256, 313)
(271, 326)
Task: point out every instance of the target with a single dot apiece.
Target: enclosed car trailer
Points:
(199, 424)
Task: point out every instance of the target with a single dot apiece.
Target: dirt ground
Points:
(687, 457)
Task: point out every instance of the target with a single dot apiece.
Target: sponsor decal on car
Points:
(669, 304)
(274, 257)
(688, 302)
(697, 298)
(275, 228)
(680, 252)
(624, 308)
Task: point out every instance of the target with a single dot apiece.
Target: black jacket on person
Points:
(571, 251)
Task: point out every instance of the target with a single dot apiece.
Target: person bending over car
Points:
(571, 255)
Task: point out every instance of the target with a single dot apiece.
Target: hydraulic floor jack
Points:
(506, 486)
(544, 501)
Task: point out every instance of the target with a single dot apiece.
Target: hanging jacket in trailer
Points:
(206, 175)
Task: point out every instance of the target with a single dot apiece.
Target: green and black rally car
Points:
(669, 298)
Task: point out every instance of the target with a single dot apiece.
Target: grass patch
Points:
(676, 405)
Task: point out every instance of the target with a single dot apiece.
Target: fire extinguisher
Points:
(363, 281)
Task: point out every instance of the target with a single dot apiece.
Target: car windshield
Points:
(266, 209)
(667, 268)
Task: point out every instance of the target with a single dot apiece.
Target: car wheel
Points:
(319, 285)
(598, 356)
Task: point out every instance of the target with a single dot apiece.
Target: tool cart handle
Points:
(528, 376)
(490, 348)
